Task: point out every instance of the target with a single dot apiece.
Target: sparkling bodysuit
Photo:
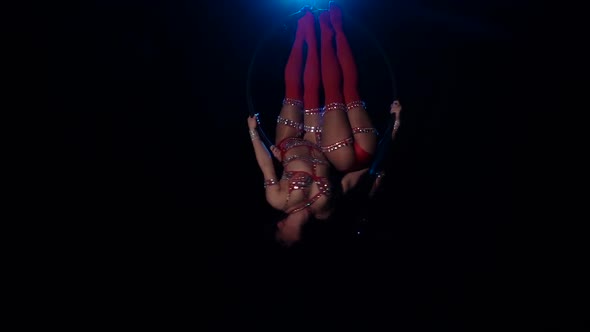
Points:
(303, 180)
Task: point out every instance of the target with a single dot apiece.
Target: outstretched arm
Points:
(384, 147)
(265, 162)
(388, 136)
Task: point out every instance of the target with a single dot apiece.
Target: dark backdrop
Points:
(149, 171)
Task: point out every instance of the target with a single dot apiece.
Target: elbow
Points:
(274, 203)
(274, 197)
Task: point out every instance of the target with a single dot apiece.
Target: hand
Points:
(396, 108)
(276, 152)
(253, 121)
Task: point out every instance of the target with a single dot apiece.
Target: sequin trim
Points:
(355, 104)
(359, 130)
(270, 182)
(253, 134)
(290, 123)
(304, 158)
(337, 145)
(292, 142)
(293, 102)
(312, 129)
(302, 180)
(318, 110)
(335, 107)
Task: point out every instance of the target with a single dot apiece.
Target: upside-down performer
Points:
(312, 142)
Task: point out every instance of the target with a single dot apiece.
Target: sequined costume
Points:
(303, 179)
(340, 81)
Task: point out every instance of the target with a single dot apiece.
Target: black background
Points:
(148, 175)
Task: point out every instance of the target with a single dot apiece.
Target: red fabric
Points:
(363, 158)
(294, 68)
(345, 56)
(331, 72)
(312, 78)
(349, 69)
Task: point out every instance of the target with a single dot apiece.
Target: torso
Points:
(305, 181)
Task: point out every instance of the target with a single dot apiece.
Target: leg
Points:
(336, 130)
(311, 83)
(289, 120)
(365, 138)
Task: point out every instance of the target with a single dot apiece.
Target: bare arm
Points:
(396, 125)
(384, 147)
(350, 180)
(385, 142)
(265, 162)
